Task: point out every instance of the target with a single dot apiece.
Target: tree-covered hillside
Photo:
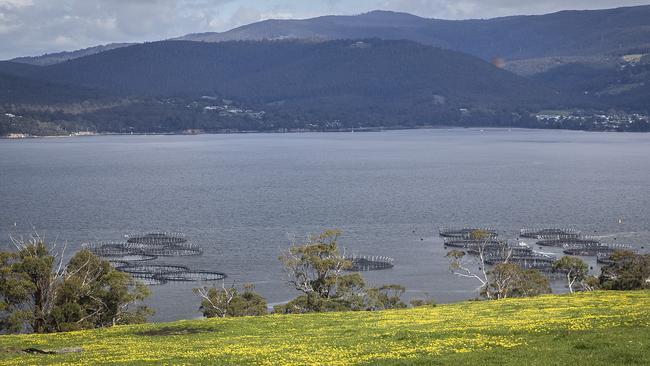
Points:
(565, 33)
(178, 85)
(274, 71)
(174, 86)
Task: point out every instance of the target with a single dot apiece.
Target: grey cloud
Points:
(37, 26)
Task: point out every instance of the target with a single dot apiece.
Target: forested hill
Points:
(21, 90)
(565, 33)
(363, 73)
(172, 86)
(607, 48)
(270, 85)
(23, 84)
(58, 57)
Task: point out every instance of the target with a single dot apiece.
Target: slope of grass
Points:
(601, 328)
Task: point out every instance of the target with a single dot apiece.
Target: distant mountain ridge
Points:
(58, 57)
(564, 33)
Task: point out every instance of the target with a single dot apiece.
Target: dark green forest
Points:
(296, 85)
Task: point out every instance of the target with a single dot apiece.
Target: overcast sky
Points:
(34, 27)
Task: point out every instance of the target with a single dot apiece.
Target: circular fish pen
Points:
(549, 233)
(156, 238)
(567, 241)
(107, 248)
(605, 258)
(370, 263)
(593, 249)
(192, 276)
(151, 270)
(117, 263)
(540, 263)
(151, 274)
(134, 257)
(184, 249)
(466, 232)
(157, 274)
(531, 260)
(473, 245)
(117, 252)
(143, 251)
(508, 251)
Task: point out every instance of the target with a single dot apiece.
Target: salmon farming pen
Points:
(115, 250)
(159, 274)
(370, 263)
(164, 250)
(190, 276)
(509, 251)
(549, 233)
(562, 242)
(474, 244)
(530, 260)
(138, 253)
(156, 238)
(604, 258)
(496, 251)
(593, 249)
(466, 232)
(151, 270)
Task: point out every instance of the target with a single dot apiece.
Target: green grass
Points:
(600, 328)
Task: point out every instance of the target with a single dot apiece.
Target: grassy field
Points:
(601, 328)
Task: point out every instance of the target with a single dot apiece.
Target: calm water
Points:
(240, 195)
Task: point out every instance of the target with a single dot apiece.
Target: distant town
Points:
(600, 121)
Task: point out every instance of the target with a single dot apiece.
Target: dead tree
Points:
(217, 301)
(461, 266)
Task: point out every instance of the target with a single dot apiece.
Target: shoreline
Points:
(297, 131)
(236, 132)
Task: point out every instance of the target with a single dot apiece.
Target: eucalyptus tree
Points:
(40, 293)
(228, 301)
(318, 268)
(475, 267)
(574, 269)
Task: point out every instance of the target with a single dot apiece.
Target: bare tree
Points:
(216, 302)
(459, 265)
(575, 270)
(229, 301)
(462, 266)
(504, 277)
